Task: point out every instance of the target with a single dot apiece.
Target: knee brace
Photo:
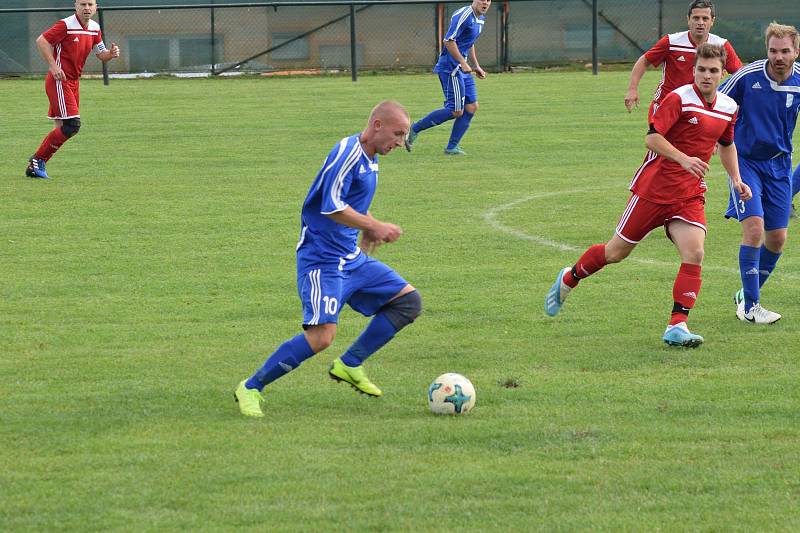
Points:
(403, 310)
(70, 127)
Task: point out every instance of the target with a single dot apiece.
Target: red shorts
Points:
(643, 216)
(64, 98)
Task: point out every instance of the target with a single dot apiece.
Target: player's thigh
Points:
(470, 89)
(689, 239)
(371, 286)
(321, 295)
(752, 174)
(453, 90)
(776, 196)
(639, 219)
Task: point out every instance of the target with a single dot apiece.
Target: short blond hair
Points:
(780, 31)
(709, 51)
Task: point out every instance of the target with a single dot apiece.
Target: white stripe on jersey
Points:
(302, 238)
(706, 112)
(752, 67)
(338, 183)
(463, 16)
(648, 159)
(683, 49)
(81, 32)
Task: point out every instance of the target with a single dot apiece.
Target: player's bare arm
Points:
(730, 162)
(46, 51)
(474, 60)
(375, 229)
(109, 54)
(658, 144)
(632, 96)
(452, 49)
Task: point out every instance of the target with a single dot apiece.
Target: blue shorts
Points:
(771, 184)
(367, 288)
(459, 90)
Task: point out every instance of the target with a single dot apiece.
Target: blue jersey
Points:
(465, 28)
(767, 110)
(347, 178)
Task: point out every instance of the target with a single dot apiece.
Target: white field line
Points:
(491, 218)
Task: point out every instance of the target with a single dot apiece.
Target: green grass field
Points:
(156, 270)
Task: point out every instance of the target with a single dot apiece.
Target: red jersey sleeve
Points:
(667, 114)
(656, 55)
(56, 33)
(727, 135)
(97, 40)
(733, 63)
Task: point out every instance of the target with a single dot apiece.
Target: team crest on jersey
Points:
(789, 99)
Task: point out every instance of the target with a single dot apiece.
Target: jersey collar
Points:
(703, 98)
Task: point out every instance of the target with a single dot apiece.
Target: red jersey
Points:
(72, 43)
(675, 53)
(694, 127)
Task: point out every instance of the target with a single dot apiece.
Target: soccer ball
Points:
(451, 394)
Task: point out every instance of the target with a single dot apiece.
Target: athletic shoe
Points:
(679, 335)
(249, 400)
(738, 299)
(410, 138)
(355, 376)
(557, 293)
(759, 315)
(36, 169)
(454, 151)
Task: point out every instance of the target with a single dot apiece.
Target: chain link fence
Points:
(199, 37)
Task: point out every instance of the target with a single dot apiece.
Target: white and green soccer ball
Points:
(451, 394)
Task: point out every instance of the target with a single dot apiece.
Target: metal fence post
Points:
(353, 59)
(594, 37)
(103, 31)
(213, 42)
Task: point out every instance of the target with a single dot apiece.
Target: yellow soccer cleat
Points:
(354, 376)
(249, 400)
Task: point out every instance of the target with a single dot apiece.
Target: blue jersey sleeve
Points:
(733, 89)
(336, 176)
(457, 24)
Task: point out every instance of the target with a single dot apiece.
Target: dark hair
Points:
(709, 51)
(701, 4)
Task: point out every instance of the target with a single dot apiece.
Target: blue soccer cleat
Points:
(679, 335)
(36, 168)
(557, 294)
(410, 138)
(454, 151)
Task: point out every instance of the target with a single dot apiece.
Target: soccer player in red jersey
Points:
(668, 190)
(675, 53)
(65, 47)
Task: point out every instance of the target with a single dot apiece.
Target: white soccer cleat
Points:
(758, 315)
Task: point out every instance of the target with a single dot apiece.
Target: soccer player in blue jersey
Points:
(768, 94)
(455, 75)
(333, 270)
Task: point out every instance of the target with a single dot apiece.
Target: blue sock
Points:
(434, 118)
(766, 264)
(748, 269)
(460, 127)
(286, 358)
(379, 331)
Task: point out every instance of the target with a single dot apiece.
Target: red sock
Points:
(51, 144)
(590, 262)
(685, 291)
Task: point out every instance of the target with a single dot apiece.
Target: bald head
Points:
(388, 110)
(387, 127)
